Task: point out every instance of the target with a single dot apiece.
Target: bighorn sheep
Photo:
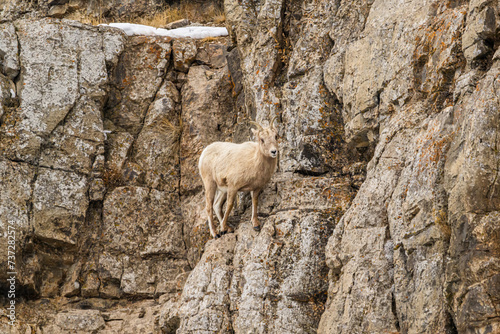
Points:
(227, 168)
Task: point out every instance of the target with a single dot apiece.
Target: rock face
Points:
(64, 8)
(100, 10)
(383, 215)
(90, 159)
(402, 254)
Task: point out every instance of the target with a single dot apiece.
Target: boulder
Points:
(184, 51)
(9, 50)
(177, 24)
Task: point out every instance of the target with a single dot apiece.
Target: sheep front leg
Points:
(231, 195)
(255, 203)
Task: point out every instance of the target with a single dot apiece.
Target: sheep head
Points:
(267, 138)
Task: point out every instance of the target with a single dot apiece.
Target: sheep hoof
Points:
(256, 228)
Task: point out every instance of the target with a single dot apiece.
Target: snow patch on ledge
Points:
(192, 32)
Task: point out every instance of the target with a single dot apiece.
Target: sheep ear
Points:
(254, 132)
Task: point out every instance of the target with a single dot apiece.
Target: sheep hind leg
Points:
(220, 198)
(209, 199)
(231, 195)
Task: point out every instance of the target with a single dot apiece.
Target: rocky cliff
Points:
(383, 216)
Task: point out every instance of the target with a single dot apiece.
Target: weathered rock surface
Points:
(13, 9)
(407, 216)
(136, 84)
(383, 216)
(90, 136)
(203, 120)
(402, 78)
(184, 54)
(177, 24)
(110, 10)
(9, 46)
(53, 126)
(16, 184)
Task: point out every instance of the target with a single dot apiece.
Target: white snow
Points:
(193, 32)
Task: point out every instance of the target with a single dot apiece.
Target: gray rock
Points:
(115, 10)
(157, 146)
(213, 55)
(481, 26)
(204, 301)
(59, 206)
(472, 184)
(136, 79)
(53, 89)
(184, 51)
(177, 24)
(72, 285)
(58, 11)
(84, 321)
(9, 50)
(119, 144)
(139, 228)
(16, 182)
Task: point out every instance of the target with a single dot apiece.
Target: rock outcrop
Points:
(383, 216)
(91, 160)
(13, 9)
(98, 10)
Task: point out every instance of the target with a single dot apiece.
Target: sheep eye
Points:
(262, 140)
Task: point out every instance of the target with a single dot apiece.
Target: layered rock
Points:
(277, 280)
(392, 253)
(54, 129)
(90, 135)
(96, 10)
(382, 216)
(409, 81)
(64, 8)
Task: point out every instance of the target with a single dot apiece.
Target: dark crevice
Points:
(179, 150)
(305, 172)
(37, 166)
(451, 328)
(17, 79)
(395, 313)
(284, 39)
(485, 62)
(377, 96)
(29, 206)
(171, 326)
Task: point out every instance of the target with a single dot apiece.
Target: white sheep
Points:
(227, 168)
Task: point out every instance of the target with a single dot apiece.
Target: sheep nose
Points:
(273, 152)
